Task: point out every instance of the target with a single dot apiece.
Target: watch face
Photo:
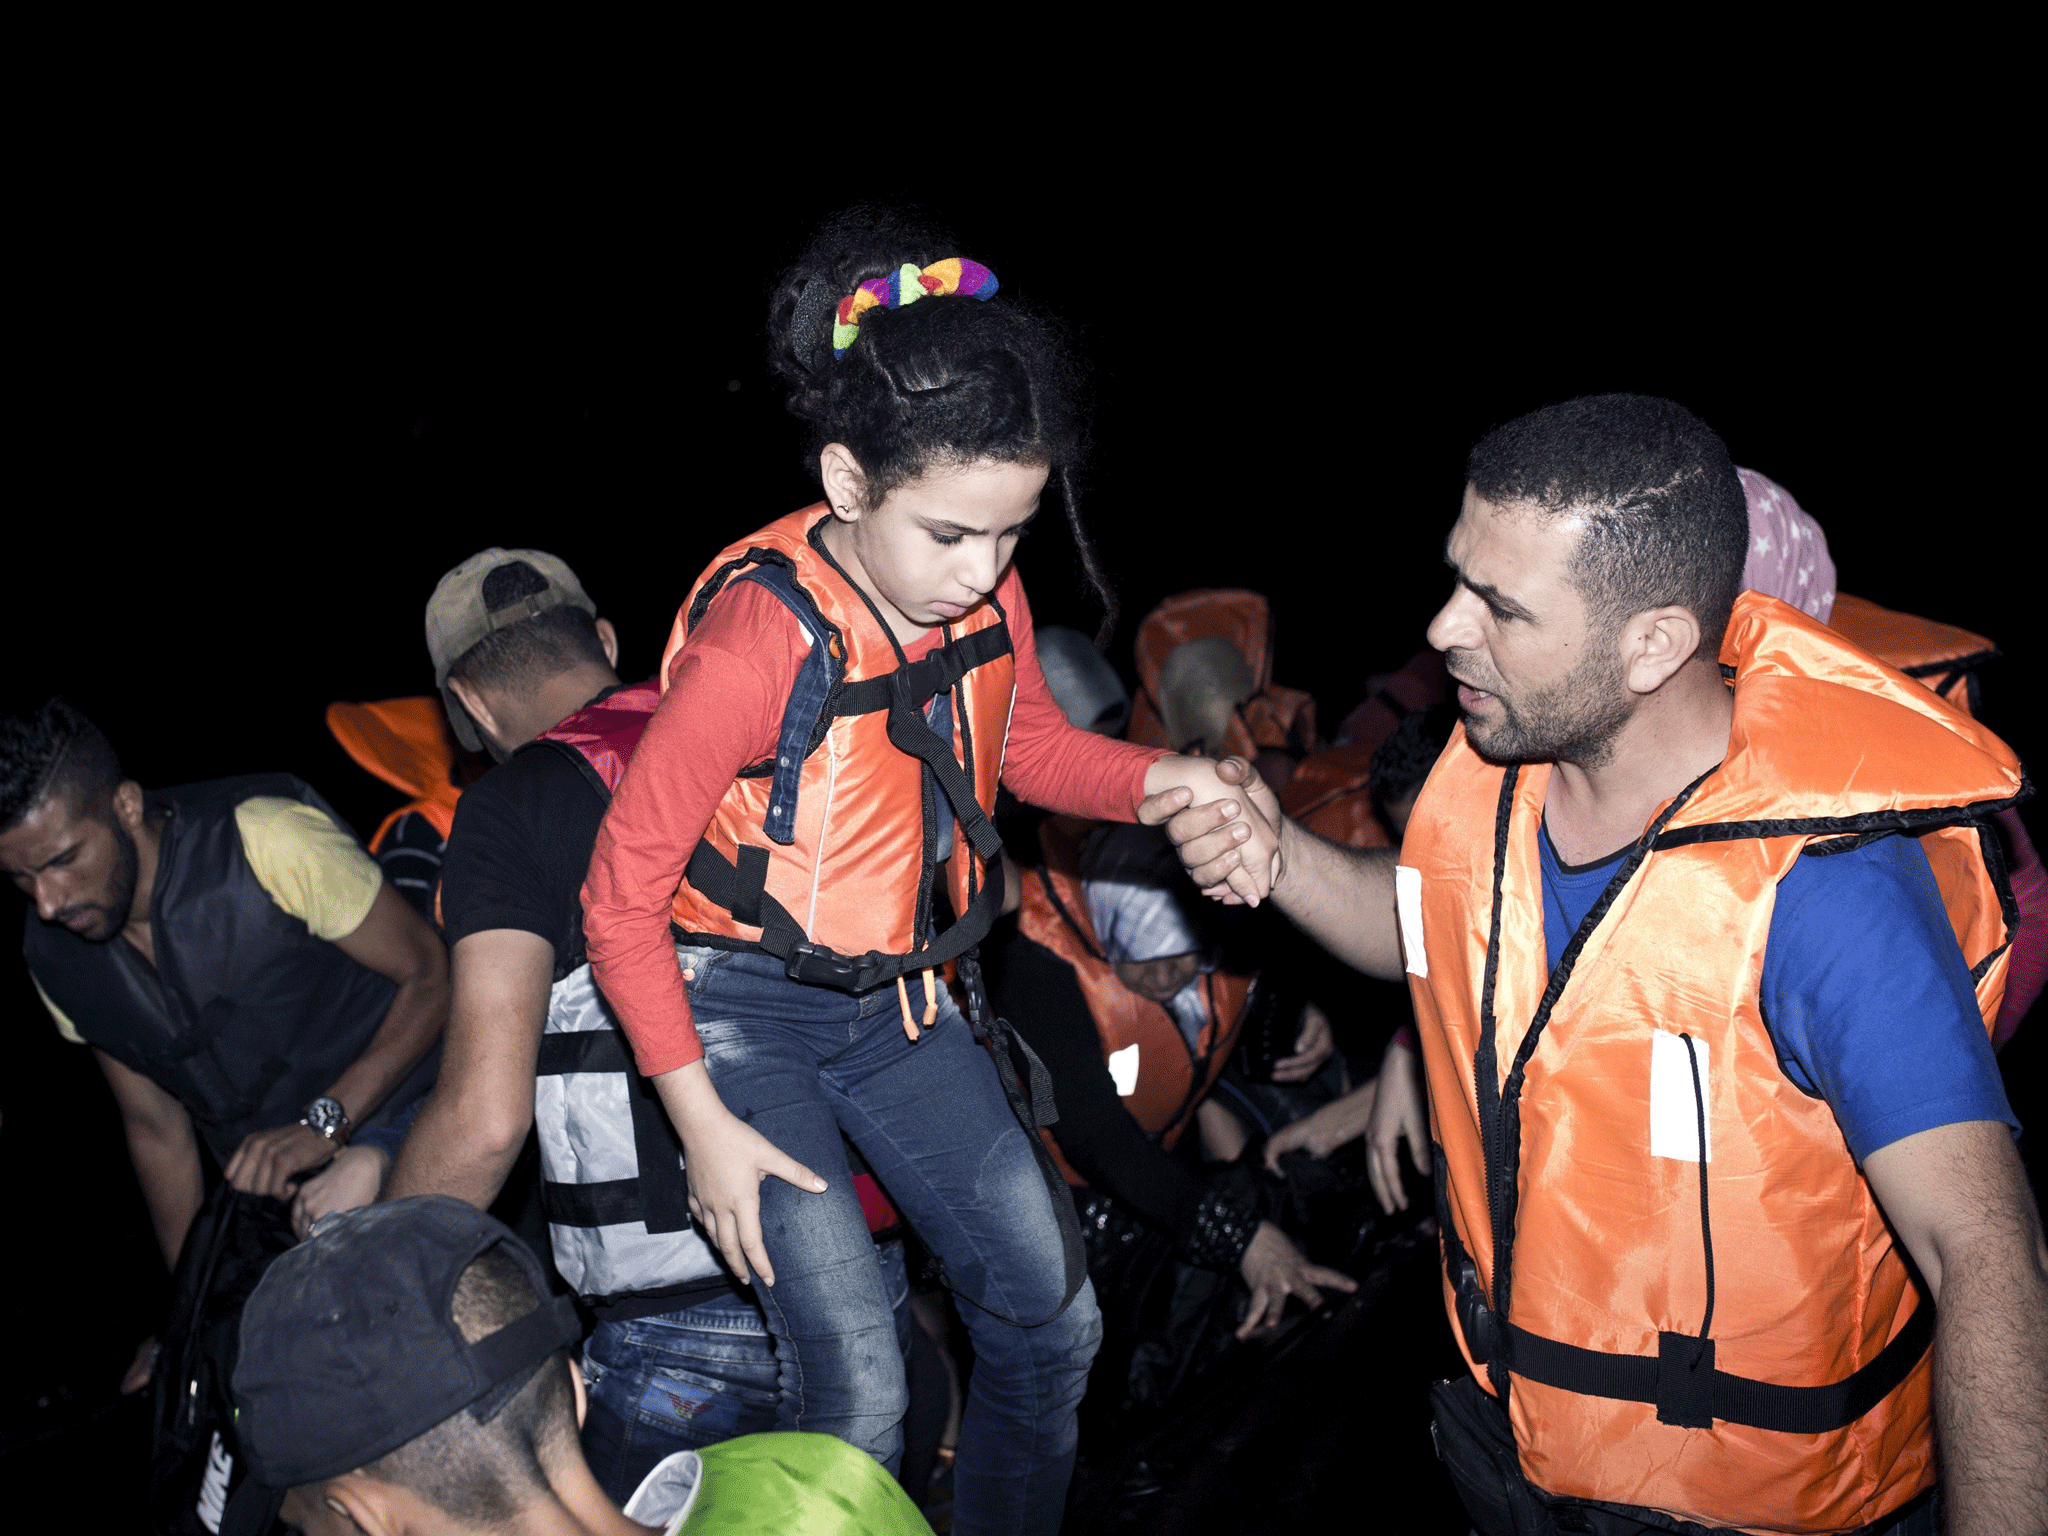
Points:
(325, 1116)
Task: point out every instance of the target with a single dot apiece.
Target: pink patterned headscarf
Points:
(1788, 553)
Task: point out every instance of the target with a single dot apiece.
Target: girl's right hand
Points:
(725, 1160)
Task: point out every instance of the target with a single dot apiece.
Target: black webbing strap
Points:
(527, 1340)
(910, 733)
(582, 1050)
(592, 1205)
(750, 884)
(937, 673)
(712, 875)
(1670, 1378)
(1732, 1399)
(660, 1195)
(995, 1034)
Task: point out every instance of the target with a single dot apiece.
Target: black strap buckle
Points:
(1475, 1318)
(817, 966)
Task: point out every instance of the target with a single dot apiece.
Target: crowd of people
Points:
(771, 1095)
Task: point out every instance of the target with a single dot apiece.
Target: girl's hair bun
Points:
(943, 381)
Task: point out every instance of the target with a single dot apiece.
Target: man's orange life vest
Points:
(404, 742)
(1737, 1341)
(1942, 656)
(824, 855)
(1272, 718)
(1172, 1076)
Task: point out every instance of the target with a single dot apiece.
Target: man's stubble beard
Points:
(1575, 721)
(121, 882)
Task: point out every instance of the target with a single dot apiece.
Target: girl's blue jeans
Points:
(801, 1064)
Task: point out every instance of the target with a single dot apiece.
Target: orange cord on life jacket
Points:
(931, 1004)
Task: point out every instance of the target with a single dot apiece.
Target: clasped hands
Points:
(1224, 821)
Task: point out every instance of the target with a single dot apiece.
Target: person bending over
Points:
(404, 1373)
(243, 972)
(1704, 942)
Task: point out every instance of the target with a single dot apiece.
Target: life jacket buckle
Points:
(1475, 1318)
(817, 966)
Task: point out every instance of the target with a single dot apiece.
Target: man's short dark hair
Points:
(488, 1461)
(56, 750)
(1667, 523)
(534, 649)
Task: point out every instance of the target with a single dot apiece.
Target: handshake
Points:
(1224, 821)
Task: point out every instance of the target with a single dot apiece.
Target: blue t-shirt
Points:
(1865, 991)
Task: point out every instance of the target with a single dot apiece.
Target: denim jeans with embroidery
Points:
(805, 1064)
(678, 1381)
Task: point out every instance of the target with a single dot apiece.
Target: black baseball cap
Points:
(349, 1347)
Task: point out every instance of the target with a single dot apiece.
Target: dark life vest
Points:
(245, 1016)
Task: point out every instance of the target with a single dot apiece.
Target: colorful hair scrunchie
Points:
(906, 285)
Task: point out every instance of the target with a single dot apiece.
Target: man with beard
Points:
(241, 968)
(1704, 932)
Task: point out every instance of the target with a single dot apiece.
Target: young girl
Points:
(844, 690)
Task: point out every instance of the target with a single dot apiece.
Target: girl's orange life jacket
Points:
(1737, 1341)
(1173, 1078)
(404, 742)
(824, 855)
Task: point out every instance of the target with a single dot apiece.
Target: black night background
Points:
(255, 423)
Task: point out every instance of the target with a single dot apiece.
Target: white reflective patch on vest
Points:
(1674, 1111)
(1408, 897)
(1123, 1070)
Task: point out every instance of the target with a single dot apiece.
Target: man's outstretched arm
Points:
(1958, 1198)
(470, 1131)
(1343, 898)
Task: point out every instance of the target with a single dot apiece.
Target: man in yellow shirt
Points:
(240, 967)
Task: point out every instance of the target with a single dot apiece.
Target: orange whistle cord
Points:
(931, 1001)
(903, 997)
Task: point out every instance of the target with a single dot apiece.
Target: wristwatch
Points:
(326, 1116)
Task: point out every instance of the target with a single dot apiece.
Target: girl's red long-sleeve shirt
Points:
(727, 688)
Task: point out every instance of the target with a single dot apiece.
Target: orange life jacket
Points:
(824, 855)
(1805, 1406)
(1942, 656)
(1272, 718)
(1331, 794)
(404, 742)
(1173, 1078)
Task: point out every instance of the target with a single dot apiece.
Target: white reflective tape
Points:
(1674, 1112)
(1408, 897)
(1123, 1070)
